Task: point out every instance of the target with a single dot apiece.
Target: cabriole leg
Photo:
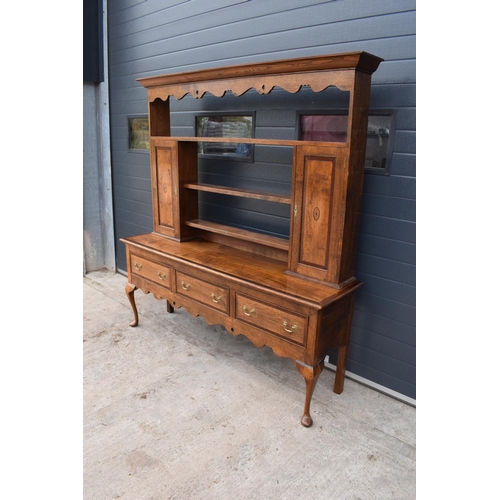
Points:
(170, 307)
(311, 375)
(129, 290)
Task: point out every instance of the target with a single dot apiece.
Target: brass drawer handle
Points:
(216, 299)
(291, 329)
(161, 275)
(137, 266)
(185, 286)
(249, 313)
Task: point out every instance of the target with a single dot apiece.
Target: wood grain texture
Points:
(315, 65)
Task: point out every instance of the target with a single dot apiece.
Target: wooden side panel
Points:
(163, 164)
(316, 210)
(164, 175)
(318, 213)
(358, 116)
(173, 165)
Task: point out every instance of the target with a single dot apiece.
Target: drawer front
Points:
(274, 319)
(159, 273)
(203, 291)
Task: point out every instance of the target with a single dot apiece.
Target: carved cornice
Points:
(318, 72)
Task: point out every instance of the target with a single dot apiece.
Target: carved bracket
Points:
(263, 84)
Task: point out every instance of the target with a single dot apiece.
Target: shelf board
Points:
(242, 234)
(242, 193)
(247, 140)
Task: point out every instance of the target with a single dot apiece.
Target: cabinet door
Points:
(173, 164)
(318, 211)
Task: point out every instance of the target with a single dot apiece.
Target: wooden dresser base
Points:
(249, 295)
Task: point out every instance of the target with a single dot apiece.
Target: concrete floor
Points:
(179, 409)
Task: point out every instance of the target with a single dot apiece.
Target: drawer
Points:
(203, 291)
(274, 319)
(159, 273)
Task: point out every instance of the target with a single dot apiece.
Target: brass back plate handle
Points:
(287, 329)
(247, 312)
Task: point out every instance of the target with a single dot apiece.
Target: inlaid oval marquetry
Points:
(316, 213)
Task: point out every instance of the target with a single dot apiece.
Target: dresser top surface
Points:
(262, 272)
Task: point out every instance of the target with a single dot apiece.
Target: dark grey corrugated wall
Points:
(155, 37)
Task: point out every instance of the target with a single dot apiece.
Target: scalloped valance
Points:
(318, 72)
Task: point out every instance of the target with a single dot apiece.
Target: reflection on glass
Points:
(138, 133)
(377, 141)
(333, 128)
(224, 126)
(327, 128)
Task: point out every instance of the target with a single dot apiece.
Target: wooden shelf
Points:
(242, 234)
(242, 193)
(248, 140)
